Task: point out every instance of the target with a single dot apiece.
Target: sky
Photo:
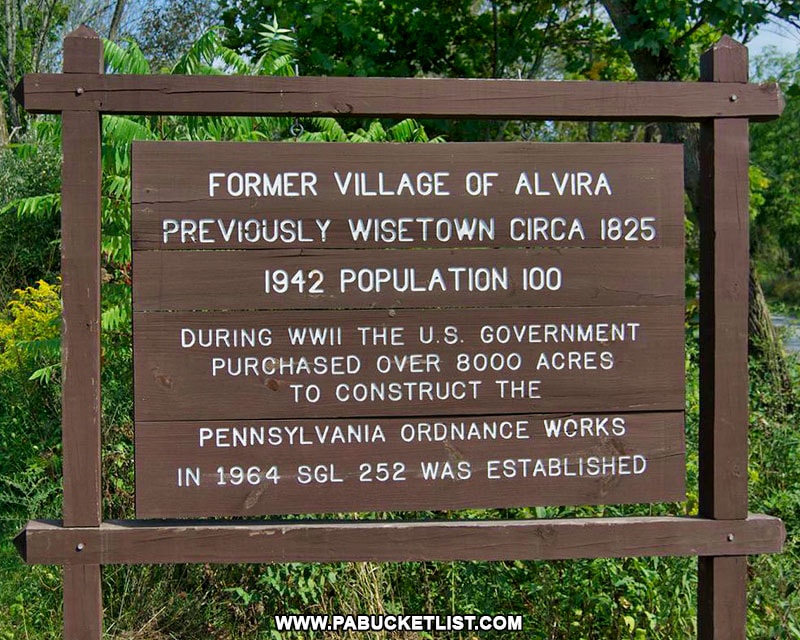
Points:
(785, 39)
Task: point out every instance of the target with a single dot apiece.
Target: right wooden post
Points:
(724, 271)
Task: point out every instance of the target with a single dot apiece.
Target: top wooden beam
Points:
(398, 97)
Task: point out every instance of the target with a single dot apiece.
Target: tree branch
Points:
(119, 8)
(690, 32)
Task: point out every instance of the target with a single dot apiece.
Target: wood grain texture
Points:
(173, 183)
(80, 269)
(83, 54)
(722, 598)
(399, 97)
(138, 542)
(236, 280)
(83, 601)
(80, 338)
(175, 382)
(724, 271)
(643, 464)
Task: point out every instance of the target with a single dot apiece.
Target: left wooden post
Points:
(80, 350)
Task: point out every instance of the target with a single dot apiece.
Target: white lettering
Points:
(251, 184)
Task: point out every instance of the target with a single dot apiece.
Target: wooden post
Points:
(724, 270)
(80, 269)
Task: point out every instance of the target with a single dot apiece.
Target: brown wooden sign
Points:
(225, 196)
(291, 364)
(370, 290)
(369, 278)
(222, 195)
(225, 468)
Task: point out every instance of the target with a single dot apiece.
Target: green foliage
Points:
(30, 34)
(665, 38)
(774, 473)
(29, 491)
(329, 130)
(29, 442)
(459, 39)
(164, 30)
(776, 228)
(127, 59)
(30, 328)
(29, 28)
(29, 225)
(30, 599)
(32, 166)
(206, 50)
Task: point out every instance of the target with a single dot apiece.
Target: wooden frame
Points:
(408, 97)
(80, 346)
(723, 534)
(724, 271)
(132, 542)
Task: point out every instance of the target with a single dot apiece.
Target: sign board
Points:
(338, 327)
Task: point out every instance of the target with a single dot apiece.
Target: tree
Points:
(663, 40)
(116, 19)
(776, 228)
(456, 38)
(29, 29)
(163, 31)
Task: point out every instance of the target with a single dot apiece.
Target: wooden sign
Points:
(291, 364)
(223, 195)
(524, 198)
(325, 327)
(199, 468)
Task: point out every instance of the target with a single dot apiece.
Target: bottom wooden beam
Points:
(155, 542)
(83, 602)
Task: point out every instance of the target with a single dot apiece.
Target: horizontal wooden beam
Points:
(398, 97)
(155, 542)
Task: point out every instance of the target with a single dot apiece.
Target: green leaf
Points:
(630, 622)
(34, 206)
(120, 130)
(45, 374)
(129, 59)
